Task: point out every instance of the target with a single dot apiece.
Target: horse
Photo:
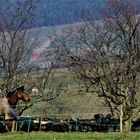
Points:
(8, 105)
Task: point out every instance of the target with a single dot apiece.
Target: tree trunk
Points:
(127, 125)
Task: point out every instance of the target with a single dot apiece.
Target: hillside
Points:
(71, 102)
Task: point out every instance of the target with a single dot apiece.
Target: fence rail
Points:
(67, 122)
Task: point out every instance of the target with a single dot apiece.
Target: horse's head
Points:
(22, 94)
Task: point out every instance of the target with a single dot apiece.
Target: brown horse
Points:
(9, 103)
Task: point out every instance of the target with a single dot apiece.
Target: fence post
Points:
(76, 118)
(40, 120)
(29, 124)
(121, 118)
(76, 124)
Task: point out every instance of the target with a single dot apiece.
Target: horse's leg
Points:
(8, 125)
(14, 126)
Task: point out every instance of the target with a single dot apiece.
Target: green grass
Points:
(69, 136)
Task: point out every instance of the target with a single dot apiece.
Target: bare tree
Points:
(15, 44)
(18, 43)
(104, 55)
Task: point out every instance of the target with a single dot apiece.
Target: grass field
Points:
(69, 136)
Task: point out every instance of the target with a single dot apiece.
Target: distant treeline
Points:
(67, 11)
(59, 12)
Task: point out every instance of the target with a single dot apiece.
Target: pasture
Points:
(69, 136)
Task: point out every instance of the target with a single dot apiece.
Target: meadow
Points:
(69, 136)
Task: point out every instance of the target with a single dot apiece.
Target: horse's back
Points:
(4, 106)
(7, 110)
(1, 106)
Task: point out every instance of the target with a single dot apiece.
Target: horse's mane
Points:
(9, 94)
